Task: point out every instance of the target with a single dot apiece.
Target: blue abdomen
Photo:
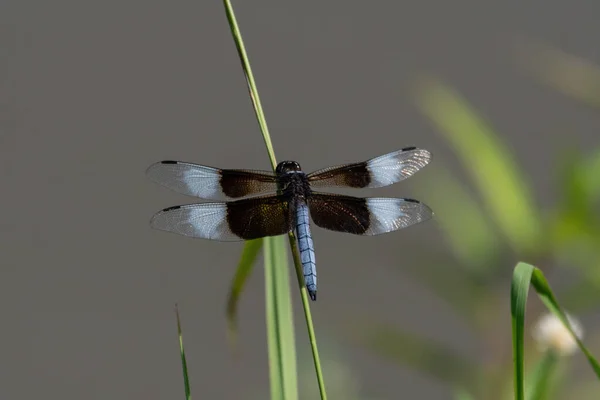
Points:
(307, 252)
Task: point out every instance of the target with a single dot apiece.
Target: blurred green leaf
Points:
(571, 75)
(488, 161)
(280, 324)
(417, 352)
(186, 380)
(249, 254)
(525, 275)
(591, 175)
(580, 190)
(539, 385)
(570, 222)
(573, 190)
(466, 227)
(461, 394)
(575, 222)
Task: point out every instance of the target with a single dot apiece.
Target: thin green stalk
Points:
(260, 116)
(237, 37)
(186, 379)
(307, 314)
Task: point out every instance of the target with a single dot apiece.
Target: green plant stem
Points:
(186, 380)
(307, 314)
(237, 37)
(239, 44)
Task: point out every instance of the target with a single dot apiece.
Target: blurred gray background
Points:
(91, 93)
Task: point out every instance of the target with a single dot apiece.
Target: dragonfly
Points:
(248, 211)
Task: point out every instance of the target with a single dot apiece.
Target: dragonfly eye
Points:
(287, 167)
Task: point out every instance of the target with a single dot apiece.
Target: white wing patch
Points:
(186, 178)
(397, 166)
(206, 221)
(388, 214)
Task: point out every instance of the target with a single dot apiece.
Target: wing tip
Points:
(152, 167)
(155, 222)
(424, 152)
(428, 212)
(420, 204)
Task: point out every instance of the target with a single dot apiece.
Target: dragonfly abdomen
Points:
(306, 248)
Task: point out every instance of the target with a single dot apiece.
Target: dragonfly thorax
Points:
(295, 184)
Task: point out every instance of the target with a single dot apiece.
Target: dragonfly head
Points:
(286, 167)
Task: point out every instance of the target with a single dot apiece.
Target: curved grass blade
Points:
(525, 275)
(186, 380)
(489, 162)
(249, 254)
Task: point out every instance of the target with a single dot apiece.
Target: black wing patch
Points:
(365, 216)
(227, 221)
(211, 183)
(377, 172)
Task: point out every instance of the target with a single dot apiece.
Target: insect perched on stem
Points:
(277, 214)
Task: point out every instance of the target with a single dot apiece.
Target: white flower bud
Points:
(550, 333)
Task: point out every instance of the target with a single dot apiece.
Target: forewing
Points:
(376, 172)
(211, 183)
(365, 216)
(227, 221)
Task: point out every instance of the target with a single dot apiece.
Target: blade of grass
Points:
(270, 269)
(253, 91)
(186, 381)
(539, 386)
(525, 275)
(488, 161)
(249, 254)
(308, 316)
(280, 327)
